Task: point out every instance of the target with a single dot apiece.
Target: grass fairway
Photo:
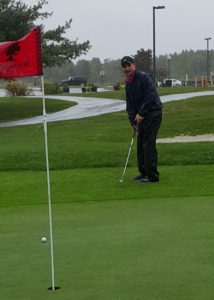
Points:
(15, 108)
(111, 240)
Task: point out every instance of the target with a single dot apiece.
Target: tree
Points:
(59, 73)
(161, 73)
(143, 60)
(113, 71)
(162, 68)
(95, 68)
(17, 19)
(83, 68)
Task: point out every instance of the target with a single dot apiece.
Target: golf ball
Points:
(43, 240)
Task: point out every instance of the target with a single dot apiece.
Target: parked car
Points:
(171, 82)
(74, 80)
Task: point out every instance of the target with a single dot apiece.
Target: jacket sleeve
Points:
(130, 109)
(150, 96)
(131, 113)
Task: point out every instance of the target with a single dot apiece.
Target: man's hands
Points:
(138, 119)
(134, 128)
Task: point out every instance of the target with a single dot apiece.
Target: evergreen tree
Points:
(83, 68)
(113, 72)
(17, 19)
(192, 63)
(143, 60)
(95, 68)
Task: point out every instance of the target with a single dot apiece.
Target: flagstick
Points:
(48, 182)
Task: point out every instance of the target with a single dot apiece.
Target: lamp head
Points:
(158, 7)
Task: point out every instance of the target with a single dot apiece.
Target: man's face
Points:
(128, 69)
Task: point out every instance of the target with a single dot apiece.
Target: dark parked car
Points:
(74, 80)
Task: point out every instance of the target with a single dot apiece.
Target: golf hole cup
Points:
(43, 240)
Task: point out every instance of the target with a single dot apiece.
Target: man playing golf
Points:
(145, 114)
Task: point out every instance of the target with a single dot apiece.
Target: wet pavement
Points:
(88, 107)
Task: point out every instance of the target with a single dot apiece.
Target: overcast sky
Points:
(121, 27)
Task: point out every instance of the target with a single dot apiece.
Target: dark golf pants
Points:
(146, 145)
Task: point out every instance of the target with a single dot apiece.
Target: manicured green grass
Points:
(103, 141)
(190, 117)
(140, 248)
(24, 150)
(182, 89)
(99, 184)
(107, 95)
(111, 240)
(14, 108)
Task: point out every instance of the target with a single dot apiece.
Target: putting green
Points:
(99, 184)
(111, 240)
(130, 249)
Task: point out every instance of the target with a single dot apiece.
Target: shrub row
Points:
(18, 88)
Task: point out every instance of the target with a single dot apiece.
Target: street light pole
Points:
(208, 71)
(154, 66)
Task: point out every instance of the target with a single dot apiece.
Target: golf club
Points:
(130, 148)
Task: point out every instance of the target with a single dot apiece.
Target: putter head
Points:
(119, 180)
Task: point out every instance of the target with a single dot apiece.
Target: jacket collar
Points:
(128, 79)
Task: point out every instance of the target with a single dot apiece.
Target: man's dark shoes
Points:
(138, 177)
(147, 180)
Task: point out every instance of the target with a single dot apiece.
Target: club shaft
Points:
(130, 148)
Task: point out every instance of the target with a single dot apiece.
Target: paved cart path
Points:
(87, 107)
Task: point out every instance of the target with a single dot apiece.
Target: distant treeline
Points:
(94, 70)
(192, 63)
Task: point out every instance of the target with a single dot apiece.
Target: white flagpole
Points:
(48, 182)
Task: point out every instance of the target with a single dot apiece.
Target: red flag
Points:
(23, 57)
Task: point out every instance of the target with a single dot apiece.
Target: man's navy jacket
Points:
(141, 96)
